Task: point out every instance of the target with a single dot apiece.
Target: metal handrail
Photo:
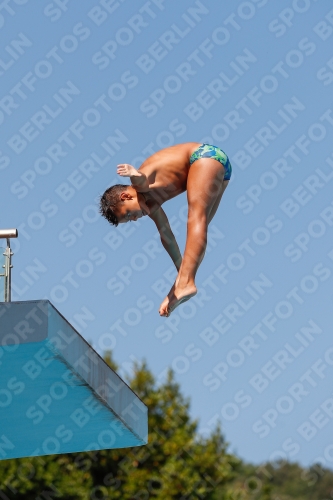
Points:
(7, 234)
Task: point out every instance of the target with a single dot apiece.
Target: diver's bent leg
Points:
(204, 188)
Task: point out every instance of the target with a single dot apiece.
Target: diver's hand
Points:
(126, 170)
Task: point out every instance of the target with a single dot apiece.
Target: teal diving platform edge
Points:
(57, 395)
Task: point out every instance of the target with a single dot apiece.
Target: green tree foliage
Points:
(290, 481)
(176, 464)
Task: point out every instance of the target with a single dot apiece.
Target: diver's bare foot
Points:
(164, 307)
(175, 297)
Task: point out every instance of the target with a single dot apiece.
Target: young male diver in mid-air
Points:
(200, 169)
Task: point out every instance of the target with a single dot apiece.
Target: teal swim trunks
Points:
(208, 151)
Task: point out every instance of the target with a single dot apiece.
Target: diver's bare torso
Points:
(167, 172)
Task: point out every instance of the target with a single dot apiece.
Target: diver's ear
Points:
(125, 196)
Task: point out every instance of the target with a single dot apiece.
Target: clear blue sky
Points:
(88, 85)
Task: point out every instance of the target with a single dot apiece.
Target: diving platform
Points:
(57, 395)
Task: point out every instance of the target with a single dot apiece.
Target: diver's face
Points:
(132, 208)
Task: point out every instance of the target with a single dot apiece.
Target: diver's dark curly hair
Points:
(109, 202)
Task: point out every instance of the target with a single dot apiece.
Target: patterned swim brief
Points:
(208, 151)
